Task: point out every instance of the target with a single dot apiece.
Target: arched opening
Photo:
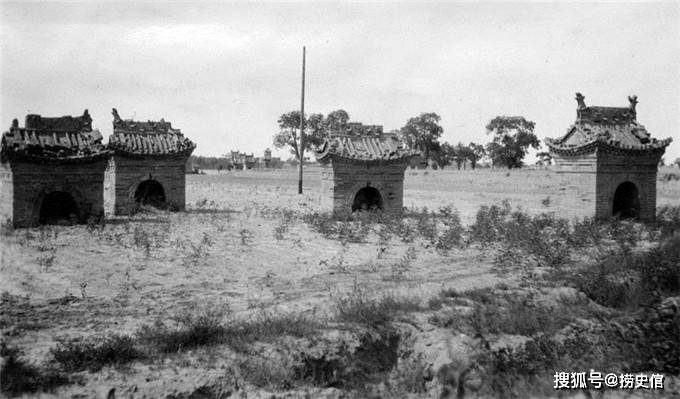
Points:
(150, 192)
(367, 199)
(58, 207)
(626, 201)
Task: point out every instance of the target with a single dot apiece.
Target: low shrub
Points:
(94, 353)
(360, 308)
(18, 376)
(627, 281)
(208, 328)
(267, 372)
(190, 333)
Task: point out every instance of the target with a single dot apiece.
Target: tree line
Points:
(512, 137)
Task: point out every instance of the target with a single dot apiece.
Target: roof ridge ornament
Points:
(633, 102)
(580, 100)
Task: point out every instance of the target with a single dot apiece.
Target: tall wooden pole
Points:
(302, 124)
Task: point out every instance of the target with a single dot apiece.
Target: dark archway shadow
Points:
(150, 192)
(59, 207)
(367, 199)
(626, 201)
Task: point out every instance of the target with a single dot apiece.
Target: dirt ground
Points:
(232, 247)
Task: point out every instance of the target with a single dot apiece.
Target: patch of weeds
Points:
(453, 234)
(94, 353)
(281, 229)
(668, 220)
(410, 375)
(398, 270)
(360, 308)
(494, 312)
(208, 327)
(354, 232)
(246, 237)
(337, 263)
(384, 237)
(268, 372)
(193, 329)
(19, 376)
(518, 317)
(350, 366)
(405, 231)
(489, 220)
(322, 223)
(197, 252)
(649, 340)
(146, 240)
(627, 281)
(585, 232)
(267, 327)
(46, 261)
(426, 225)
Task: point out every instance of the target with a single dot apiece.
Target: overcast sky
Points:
(223, 73)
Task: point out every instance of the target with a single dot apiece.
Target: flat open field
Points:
(250, 250)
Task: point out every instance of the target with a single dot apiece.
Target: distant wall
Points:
(124, 175)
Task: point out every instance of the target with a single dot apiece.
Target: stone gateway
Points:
(614, 157)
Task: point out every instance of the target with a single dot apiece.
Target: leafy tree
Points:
(512, 137)
(461, 153)
(422, 133)
(289, 124)
(336, 121)
(474, 152)
(445, 156)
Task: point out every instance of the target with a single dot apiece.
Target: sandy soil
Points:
(70, 281)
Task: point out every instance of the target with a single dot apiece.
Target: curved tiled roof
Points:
(383, 148)
(148, 139)
(53, 140)
(610, 129)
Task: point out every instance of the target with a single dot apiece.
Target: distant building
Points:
(242, 161)
(613, 158)
(266, 160)
(147, 167)
(52, 170)
(365, 170)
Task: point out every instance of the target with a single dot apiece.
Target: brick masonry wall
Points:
(124, 175)
(613, 170)
(6, 193)
(341, 182)
(32, 182)
(580, 179)
(597, 176)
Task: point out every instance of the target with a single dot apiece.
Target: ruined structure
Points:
(613, 158)
(147, 166)
(364, 170)
(52, 171)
